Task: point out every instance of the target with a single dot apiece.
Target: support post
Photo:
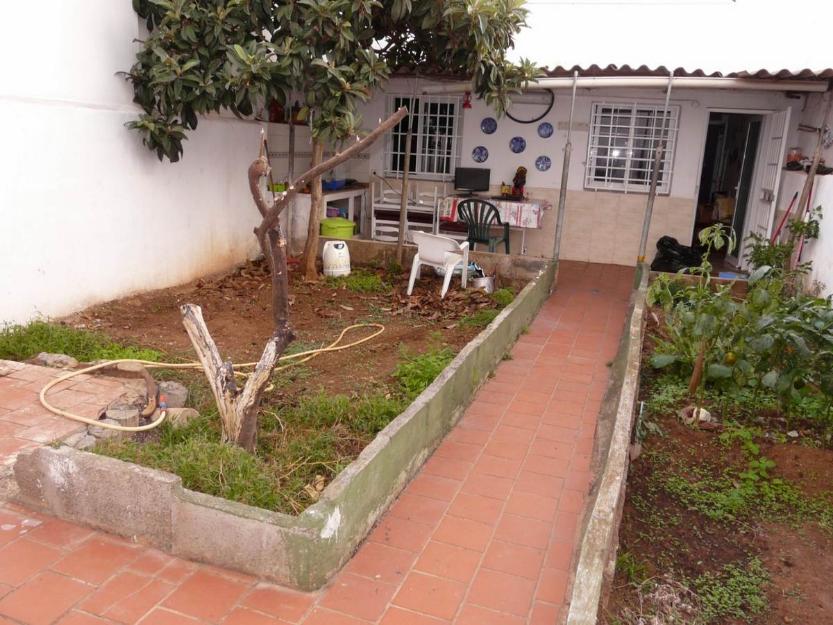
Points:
(652, 191)
(565, 175)
(403, 200)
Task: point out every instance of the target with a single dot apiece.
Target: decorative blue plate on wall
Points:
(479, 154)
(517, 144)
(543, 163)
(488, 125)
(545, 130)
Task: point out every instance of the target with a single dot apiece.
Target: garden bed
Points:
(726, 520)
(340, 422)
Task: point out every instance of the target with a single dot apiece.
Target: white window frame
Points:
(635, 162)
(429, 160)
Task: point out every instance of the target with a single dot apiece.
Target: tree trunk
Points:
(315, 206)
(403, 199)
(697, 374)
(239, 407)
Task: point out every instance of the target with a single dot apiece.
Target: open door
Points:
(764, 190)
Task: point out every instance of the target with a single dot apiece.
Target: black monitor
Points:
(471, 179)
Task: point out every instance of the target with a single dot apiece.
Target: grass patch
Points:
(503, 297)
(733, 592)
(300, 449)
(631, 567)
(416, 371)
(360, 281)
(480, 319)
(20, 342)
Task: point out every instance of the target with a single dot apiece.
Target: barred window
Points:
(622, 146)
(435, 140)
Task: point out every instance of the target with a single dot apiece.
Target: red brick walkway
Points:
(484, 535)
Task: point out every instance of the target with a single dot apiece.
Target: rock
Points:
(691, 415)
(80, 440)
(635, 451)
(175, 393)
(180, 417)
(103, 433)
(57, 361)
(703, 415)
(792, 434)
(123, 414)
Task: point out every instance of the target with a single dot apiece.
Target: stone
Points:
(103, 433)
(57, 361)
(175, 393)
(123, 414)
(180, 417)
(793, 433)
(80, 440)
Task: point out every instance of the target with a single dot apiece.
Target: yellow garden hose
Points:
(303, 356)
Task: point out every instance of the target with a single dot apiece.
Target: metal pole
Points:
(565, 174)
(290, 175)
(403, 199)
(652, 192)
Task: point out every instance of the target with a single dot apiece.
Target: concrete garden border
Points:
(600, 530)
(302, 551)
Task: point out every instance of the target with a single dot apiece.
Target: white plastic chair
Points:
(439, 252)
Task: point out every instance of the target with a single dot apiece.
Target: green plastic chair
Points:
(480, 216)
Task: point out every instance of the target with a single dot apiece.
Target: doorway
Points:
(726, 178)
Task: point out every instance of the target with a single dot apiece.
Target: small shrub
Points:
(503, 297)
(19, 342)
(480, 319)
(631, 567)
(360, 281)
(416, 372)
(734, 592)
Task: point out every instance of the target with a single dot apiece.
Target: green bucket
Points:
(337, 228)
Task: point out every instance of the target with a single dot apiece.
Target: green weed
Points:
(631, 567)
(480, 319)
(416, 371)
(734, 592)
(19, 342)
(503, 297)
(360, 281)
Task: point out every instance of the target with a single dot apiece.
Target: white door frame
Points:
(705, 131)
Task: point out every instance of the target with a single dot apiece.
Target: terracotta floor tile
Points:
(150, 562)
(81, 618)
(560, 555)
(488, 486)
(545, 614)
(413, 507)
(511, 434)
(59, 533)
(508, 450)
(468, 436)
(539, 484)
(131, 608)
(552, 587)
(320, 616)
(464, 533)
(571, 501)
(161, 616)
(96, 559)
(434, 487)
(285, 604)
(398, 616)
(476, 508)
(23, 558)
(244, 616)
(400, 533)
(358, 596)
(449, 561)
(514, 559)
(447, 467)
(430, 595)
(117, 587)
(502, 592)
(532, 506)
(205, 596)
(176, 570)
(523, 531)
(477, 615)
(499, 467)
(27, 604)
(382, 562)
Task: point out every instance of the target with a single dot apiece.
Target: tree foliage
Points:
(205, 56)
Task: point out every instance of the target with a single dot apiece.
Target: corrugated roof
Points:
(592, 70)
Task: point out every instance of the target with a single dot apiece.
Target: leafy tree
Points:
(205, 56)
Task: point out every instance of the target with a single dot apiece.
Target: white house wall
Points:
(600, 226)
(820, 251)
(88, 213)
